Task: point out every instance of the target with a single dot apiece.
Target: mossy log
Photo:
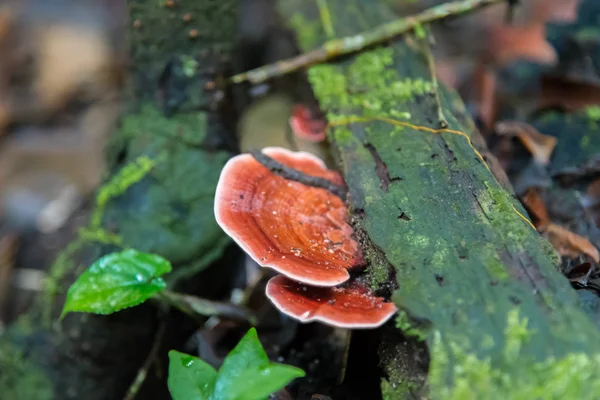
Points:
(158, 198)
(474, 279)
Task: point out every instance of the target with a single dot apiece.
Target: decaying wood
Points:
(474, 278)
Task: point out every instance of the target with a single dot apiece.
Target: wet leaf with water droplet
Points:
(117, 281)
(190, 377)
(246, 374)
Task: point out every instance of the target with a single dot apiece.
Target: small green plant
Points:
(246, 374)
(127, 279)
(117, 281)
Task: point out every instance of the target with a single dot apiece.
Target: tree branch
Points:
(351, 44)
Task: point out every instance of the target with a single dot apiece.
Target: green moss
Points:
(495, 266)
(378, 271)
(516, 333)
(54, 285)
(329, 85)
(307, 32)
(20, 377)
(149, 121)
(129, 175)
(393, 391)
(366, 87)
(499, 209)
(575, 376)
(190, 66)
(515, 376)
(405, 323)
(342, 135)
(593, 113)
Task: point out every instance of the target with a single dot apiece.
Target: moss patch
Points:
(365, 87)
(21, 378)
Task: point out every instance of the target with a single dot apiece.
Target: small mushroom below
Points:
(305, 126)
(350, 306)
(298, 230)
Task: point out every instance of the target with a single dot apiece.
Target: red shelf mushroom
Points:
(305, 126)
(349, 306)
(297, 230)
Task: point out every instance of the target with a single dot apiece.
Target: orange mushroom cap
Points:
(305, 126)
(297, 230)
(349, 306)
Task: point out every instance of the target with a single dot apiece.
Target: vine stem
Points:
(351, 44)
(150, 359)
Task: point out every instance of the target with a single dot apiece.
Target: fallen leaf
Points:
(581, 273)
(509, 43)
(533, 202)
(567, 94)
(539, 145)
(555, 10)
(570, 244)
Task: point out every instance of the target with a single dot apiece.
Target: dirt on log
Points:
(474, 279)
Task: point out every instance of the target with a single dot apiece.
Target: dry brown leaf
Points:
(567, 94)
(539, 145)
(570, 244)
(533, 202)
(509, 43)
(555, 10)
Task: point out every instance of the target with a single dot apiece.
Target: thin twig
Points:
(326, 19)
(198, 308)
(298, 176)
(428, 42)
(350, 44)
(143, 372)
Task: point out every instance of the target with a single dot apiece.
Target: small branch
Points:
(350, 44)
(143, 372)
(294, 175)
(428, 42)
(199, 309)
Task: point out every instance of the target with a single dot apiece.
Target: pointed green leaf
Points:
(258, 383)
(248, 363)
(117, 281)
(190, 378)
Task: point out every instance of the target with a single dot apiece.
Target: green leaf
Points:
(117, 281)
(246, 374)
(260, 382)
(190, 378)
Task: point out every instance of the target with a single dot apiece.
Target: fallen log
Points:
(470, 274)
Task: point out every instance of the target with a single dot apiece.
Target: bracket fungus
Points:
(349, 306)
(300, 231)
(297, 230)
(305, 126)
